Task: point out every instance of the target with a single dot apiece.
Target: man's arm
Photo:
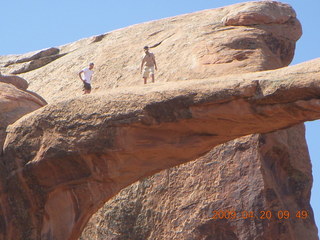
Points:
(80, 75)
(154, 61)
(142, 62)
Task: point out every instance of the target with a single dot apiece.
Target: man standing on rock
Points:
(149, 63)
(87, 73)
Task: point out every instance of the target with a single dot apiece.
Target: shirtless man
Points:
(149, 63)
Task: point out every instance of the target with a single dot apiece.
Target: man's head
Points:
(91, 65)
(146, 49)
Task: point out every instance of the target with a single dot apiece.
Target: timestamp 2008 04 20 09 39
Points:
(263, 215)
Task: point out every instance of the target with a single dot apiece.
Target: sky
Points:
(31, 25)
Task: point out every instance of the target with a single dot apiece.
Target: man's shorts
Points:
(86, 86)
(147, 71)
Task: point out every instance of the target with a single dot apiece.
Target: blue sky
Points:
(36, 24)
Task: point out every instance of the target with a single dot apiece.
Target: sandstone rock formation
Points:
(240, 176)
(93, 152)
(193, 46)
(37, 60)
(163, 207)
(15, 101)
(62, 162)
(17, 81)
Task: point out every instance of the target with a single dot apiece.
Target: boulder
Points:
(31, 61)
(268, 12)
(44, 53)
(36, 63)
(17, 81)
(14, 103)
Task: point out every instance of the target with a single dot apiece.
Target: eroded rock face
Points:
(28, 63)
(241, 176)
(15, 102)
(267, 41)
(175, 204)
(269, 12)
(195, 46)
(18, 82)
(129, 134)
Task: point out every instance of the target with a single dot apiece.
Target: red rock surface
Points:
(241, 176)
(14, 102)
(193, 46)
(72, 158)
(15, 80)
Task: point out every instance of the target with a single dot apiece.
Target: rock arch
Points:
(63, 161)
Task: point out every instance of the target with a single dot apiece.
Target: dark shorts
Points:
(86, 86)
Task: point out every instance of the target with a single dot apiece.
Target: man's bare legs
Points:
(145, 79)
(85, 91)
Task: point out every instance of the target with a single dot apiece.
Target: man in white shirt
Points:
(87, 76)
